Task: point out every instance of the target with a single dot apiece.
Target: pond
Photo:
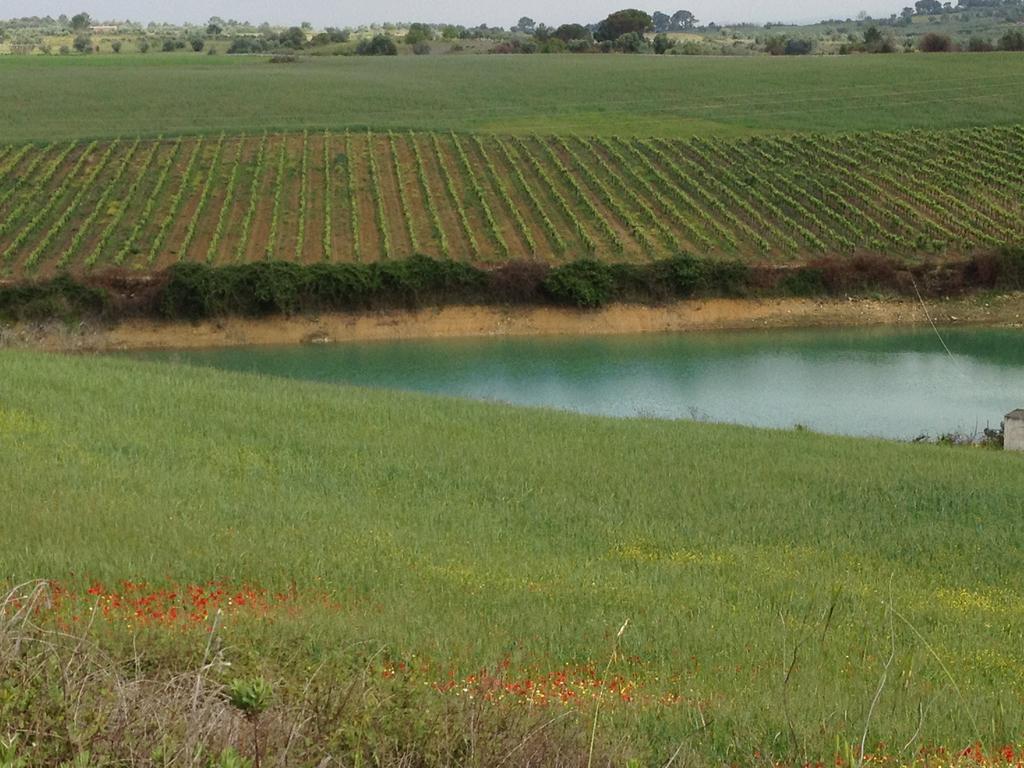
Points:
(886, 383)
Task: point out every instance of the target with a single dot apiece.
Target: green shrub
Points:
(726, 277)
(340, 285)
(683, 275)
(1013, 40)
(379, 45)
(268, 287)
(279, 287)
(934, 42)
(421, 277)
(584, 283)
(61, 297)
(804, 281)
(1011, 268)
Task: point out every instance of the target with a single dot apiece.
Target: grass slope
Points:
(633, 95)
(470, 533)
(482, 198)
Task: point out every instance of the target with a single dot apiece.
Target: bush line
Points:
(198, 290)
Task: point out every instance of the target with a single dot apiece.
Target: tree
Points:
(1012, 41)
(876, 42)
(934, 42)
(662, 21)
(116, 46)
(418, 33)
(662, 43)
(568, 32)
(526, 25)
(797, 47)
(143, 45)
(683, 20)
(197, 44)
(293, 37)
(213, 29)
(926, 7)
(630, 42)
(80, 21)
(82, 43)
(379, 45)
(622, 23)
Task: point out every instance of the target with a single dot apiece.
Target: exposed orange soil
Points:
(464, 321)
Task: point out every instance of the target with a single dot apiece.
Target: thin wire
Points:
(936, 329)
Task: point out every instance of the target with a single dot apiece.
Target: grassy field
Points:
(54, 98)
(484, 198)
(770, 578)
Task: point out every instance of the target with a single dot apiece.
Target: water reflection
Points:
(861, 382)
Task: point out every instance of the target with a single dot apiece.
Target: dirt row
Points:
(370, 196)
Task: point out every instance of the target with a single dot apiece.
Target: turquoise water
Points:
(886, 383)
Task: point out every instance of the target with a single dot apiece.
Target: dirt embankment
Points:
(455, 321)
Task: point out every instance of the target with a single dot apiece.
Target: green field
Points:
(363, 197)
(458, 536)
(431, 582)
(105, 96)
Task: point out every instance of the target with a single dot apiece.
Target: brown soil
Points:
(288, 216)
(371, 244)
(398, 233)
(238, 205)
(487, 247)
(547, 199)
(58, 246)
(342, 240)
(209, 216)
(456, 321)
(544, 246)
(313, 247)
(632, 250)
(421, 222)
(178, 180)
(503, 216)
(259, 227)
(458, 247)
(131, 208)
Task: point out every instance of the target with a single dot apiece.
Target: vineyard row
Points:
(359, 196)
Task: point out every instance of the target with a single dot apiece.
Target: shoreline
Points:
(481, 321)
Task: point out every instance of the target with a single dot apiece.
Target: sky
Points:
(344, 13)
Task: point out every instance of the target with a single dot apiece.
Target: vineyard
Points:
(359, 196)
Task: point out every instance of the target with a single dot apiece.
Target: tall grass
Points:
(760, 570)
(680, 95)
